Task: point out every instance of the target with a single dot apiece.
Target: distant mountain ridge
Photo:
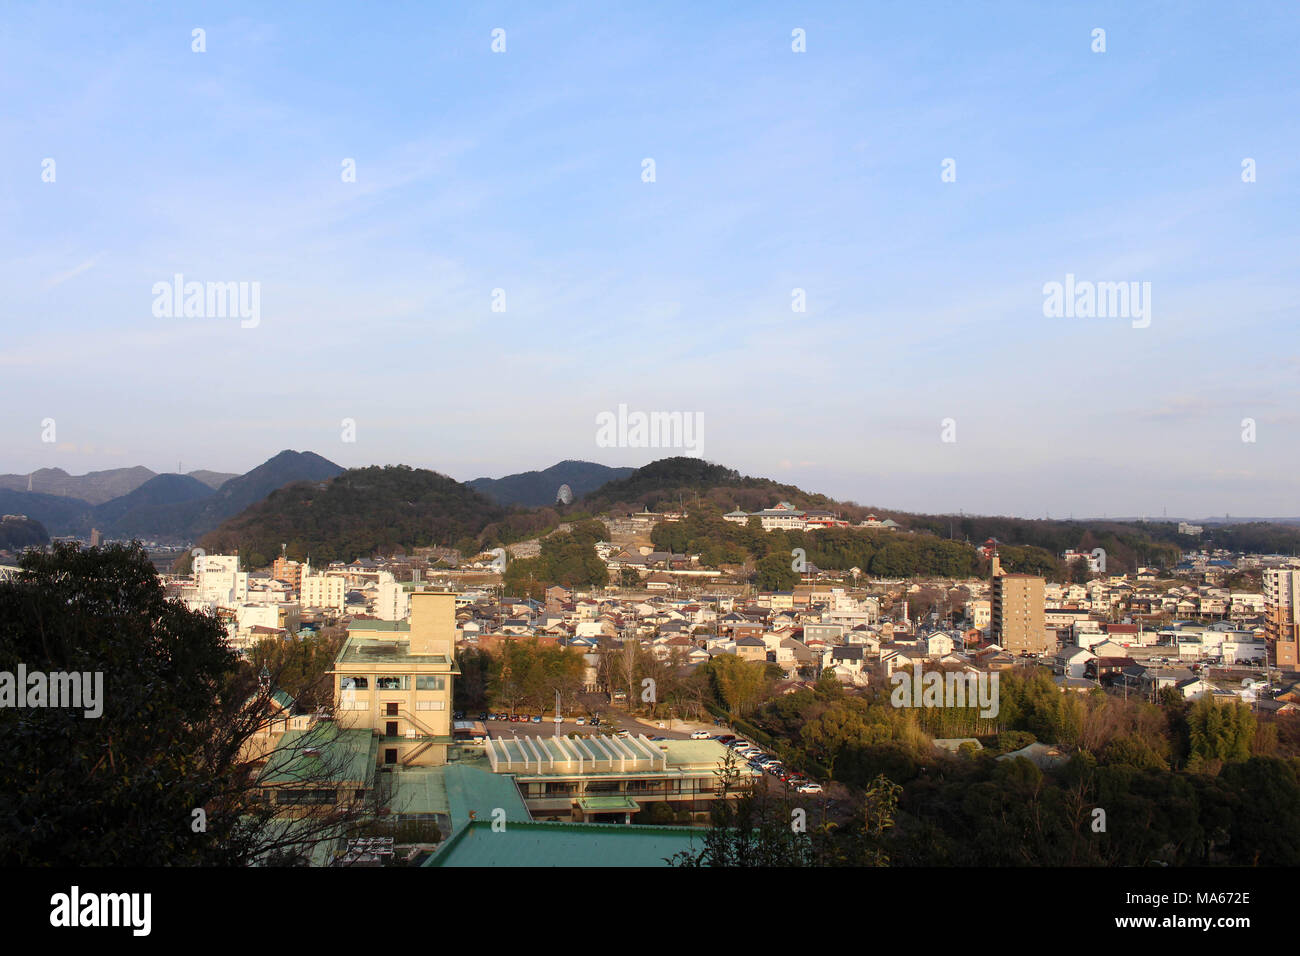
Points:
(537, 489)
(213, 479)
(95, 487)
(98, 487)
(167, 507)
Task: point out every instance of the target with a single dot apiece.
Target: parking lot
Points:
(546, 728)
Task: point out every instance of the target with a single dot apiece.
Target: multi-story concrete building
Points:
(399, 683)
(393, 602)
(1281, 598)
(290, 572)
(322, 591)
(1018, 624)
(219, 579)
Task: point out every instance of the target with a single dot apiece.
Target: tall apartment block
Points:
(399, 685)
(1281, 599)
(1018, 620)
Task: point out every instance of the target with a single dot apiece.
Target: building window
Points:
(430, 705)
(356, 683)
(430, 683)
(393, 683)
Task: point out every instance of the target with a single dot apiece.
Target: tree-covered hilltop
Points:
(537, 489)
(670, 482)
(385, 509)
(357, 514)
(708, 491)
(19, 533)
(882, 554)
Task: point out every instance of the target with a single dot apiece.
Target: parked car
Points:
(727, 739)
(622, 733)
(595, 721)
(658, 738)
(458, 715)
(582, 721)
(811, 788)
(700, 735)
(536, 719)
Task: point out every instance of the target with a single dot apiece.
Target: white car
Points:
(700, 735)
(811, 788)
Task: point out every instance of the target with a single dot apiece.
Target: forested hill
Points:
(368, 511)
(699, 485)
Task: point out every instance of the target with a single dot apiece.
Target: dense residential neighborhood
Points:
(448, 698)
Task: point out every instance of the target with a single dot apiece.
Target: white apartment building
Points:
(322, 591)
(393, 602)
(219, 580)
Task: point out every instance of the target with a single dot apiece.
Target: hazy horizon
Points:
(847, 499)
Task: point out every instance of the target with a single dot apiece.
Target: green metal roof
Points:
(564, 844)
(456, 789)
(482, 792)
(324, 753)
(368, 625)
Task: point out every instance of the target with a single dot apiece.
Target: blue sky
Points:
(774, 170)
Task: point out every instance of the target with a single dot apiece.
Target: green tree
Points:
(179, 712)
(774, 573)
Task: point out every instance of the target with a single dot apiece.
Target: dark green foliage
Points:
(567, 558)
(178, 710)
(18, 534)
(359, 513)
